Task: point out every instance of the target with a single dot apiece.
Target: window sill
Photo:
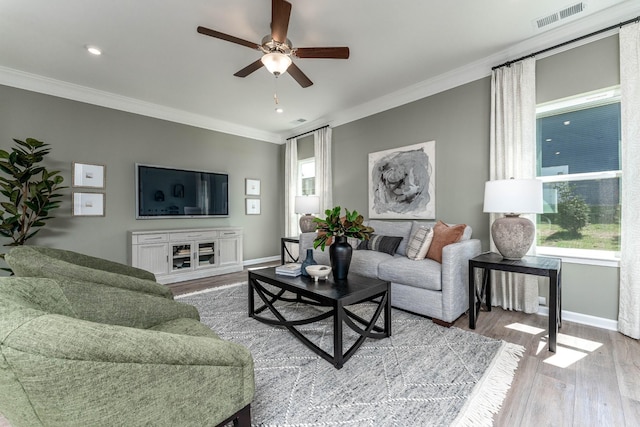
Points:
(582, 256)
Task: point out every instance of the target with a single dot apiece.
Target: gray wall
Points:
(458, 120)
(86, 133)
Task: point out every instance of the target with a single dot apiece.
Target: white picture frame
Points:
(88, 175)
(402, 182)
(87, 204)
(252, 206)
(252, 187)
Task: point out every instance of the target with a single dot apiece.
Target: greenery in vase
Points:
(30, 189)
(350, 225)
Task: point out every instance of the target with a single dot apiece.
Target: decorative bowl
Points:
(319, 272)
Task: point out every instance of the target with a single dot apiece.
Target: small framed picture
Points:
(252, 187)
(253, 206)
(88, 204)
(87, 175)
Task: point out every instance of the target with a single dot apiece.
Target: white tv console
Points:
(185, 254)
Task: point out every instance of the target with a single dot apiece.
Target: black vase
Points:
(308, 261)
(340, 256)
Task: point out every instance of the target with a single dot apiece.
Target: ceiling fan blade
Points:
(299, 76)
(227, 37)
(280, 13)
(322, 52)
(249, 69)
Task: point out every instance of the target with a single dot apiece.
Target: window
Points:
(578, 160)
(307, 177)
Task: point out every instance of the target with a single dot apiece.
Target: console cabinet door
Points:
(230, 251)
(153, 257)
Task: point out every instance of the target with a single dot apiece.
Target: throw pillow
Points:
(443, 235)
(386, 244)
(419, 243)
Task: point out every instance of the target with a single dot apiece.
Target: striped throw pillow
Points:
(419, 243)
(386, 244)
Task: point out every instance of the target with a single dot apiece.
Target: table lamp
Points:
(307, 205)
(511, 234)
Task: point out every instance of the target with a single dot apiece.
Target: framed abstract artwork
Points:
(402, 182)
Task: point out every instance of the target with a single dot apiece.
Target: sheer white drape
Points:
(629, 306)
(291, 221)
(322, 153)
(513, 154)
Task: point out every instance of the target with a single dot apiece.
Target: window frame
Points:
(301, 163)
(583, 101)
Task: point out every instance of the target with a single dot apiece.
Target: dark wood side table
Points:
(536, 265)
(284, 249)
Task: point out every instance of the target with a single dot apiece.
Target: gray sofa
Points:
(425, 286)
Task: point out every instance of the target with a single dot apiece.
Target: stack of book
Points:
(292, 269)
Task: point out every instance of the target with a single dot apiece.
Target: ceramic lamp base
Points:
(306, 223)
(513, 236)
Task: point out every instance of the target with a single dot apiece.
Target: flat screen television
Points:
(164, 192)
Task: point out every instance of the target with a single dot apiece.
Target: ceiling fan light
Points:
(276, 62)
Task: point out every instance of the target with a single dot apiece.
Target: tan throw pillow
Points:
(443, 235)
(419, 243)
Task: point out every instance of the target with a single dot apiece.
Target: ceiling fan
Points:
(277, 49)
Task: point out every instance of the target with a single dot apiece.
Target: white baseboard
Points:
(584, 319)
(254, 261)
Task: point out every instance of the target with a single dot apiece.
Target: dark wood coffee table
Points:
(337, 295)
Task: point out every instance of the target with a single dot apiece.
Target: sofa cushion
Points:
(376, 242)
(393, 228)
(425, 273)
(366, 263)
(419, 243)
(443, 235)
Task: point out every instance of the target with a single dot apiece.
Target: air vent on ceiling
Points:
(560, 15)
(298, 121)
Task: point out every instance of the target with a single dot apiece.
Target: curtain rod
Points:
(620, 25)
(307, 133)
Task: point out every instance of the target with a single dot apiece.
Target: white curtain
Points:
(322, 153)
(513, 154)
(629, 307)
(291, 221)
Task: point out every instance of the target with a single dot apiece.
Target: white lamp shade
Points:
(276, 62)
(517, 196)
(307, 204)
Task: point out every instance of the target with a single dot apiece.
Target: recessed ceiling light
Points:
(94, 50)
(279, 110)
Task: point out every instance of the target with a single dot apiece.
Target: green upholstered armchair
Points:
(84, 354)
(39, 261)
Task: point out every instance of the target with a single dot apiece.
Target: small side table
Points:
(284, 249)
(536, 265)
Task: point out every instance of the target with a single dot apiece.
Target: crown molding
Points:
(482, 68)
(62, 89)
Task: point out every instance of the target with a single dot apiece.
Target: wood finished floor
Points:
(593, 379)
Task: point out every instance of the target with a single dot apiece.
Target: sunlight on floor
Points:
(569, 349)
(525, 328)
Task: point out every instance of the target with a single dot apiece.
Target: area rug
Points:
(423, 375)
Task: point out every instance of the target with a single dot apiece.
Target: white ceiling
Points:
(155, 63)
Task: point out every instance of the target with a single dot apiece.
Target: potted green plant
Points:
(333, 226)
(31, 191)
